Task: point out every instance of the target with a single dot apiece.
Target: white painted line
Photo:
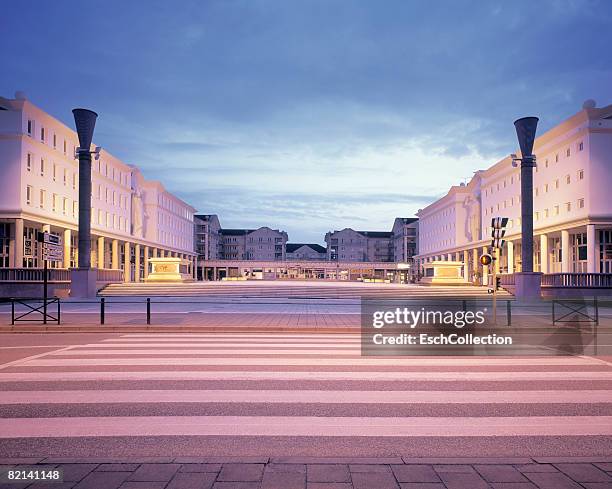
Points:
(417, 376)
(217, 345)
(305, 426)
(208, 351)
(306, 396)
(19, 362)
(365, 361)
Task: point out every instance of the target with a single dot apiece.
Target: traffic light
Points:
(497, 283)
(486, 259)
(499, 230)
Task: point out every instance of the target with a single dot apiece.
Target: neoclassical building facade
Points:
(132, 220)
(572, 205)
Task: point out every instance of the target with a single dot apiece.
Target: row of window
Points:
(58, 203)
(57, 172)
(31, 130)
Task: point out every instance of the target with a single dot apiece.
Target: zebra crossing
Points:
(267, 387)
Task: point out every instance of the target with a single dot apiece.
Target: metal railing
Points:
(57, 275)
(507, 278)
(577, 280)
(35, 307)
(34, 275)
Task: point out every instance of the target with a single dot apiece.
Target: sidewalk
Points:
(323, 473)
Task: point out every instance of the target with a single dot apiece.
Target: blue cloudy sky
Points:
(309, 115)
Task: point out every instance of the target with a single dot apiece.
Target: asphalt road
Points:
(157, 394)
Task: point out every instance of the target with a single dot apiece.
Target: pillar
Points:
(449, 257)
(475, 261)
(543, 253)
(127, 276)
(115, 254)
(67, 238)
(146, 262)
(466, 265)
(137, 262)
(100, 252)
(591, 249)
(18, 255)
(565, 251)
(510, 252)
(485, 269)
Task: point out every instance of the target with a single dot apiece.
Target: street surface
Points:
(290, 394)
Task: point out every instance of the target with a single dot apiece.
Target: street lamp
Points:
(83, 279)
(527, 283)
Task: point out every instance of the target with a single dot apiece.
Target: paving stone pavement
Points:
(320, 473)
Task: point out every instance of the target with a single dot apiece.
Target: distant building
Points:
(405, 238)
(306, 251)
(253, 244)
(207, 236)
(397, 245)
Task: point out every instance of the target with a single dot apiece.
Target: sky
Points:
(309, 115)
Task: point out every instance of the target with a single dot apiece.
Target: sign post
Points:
(52, 249)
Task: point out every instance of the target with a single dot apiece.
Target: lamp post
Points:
(83, 279)
(527, 283)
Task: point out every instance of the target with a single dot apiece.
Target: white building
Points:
(572, 205)
(132, 219)
(306, 251)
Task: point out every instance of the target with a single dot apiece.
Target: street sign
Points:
(52, 252)
(28, 248)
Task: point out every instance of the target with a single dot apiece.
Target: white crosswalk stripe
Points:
(290, 364)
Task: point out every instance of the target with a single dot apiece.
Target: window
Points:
(545, 188)
(99, 192)
(30, 127)
(100, 216)
(42, 198)
(568, 179)
(29, 162)
(65, 146)
(557, 183)
(55, 141)
(42, 134)
(42, 167)
(580, 203)
(556, 210)
(546, 213)
(568, 206)
(557, 158)
(537, 192)
(65, 176)
(74, 181)
(580, 174)
(537, 216)
(546, 163)
(580, 146)
(65, 206)
(54, 171)
(567, 153)
(54, 208)
(29, 195)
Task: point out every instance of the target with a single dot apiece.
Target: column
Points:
(67, 238)
(115, 254)
(475, 261)
(485, 269)
(449, 257)
(565, 251)
(466, 264)
(100, 252)
(137, 262)
(127, 276)
(146, 262)
(591, 249)
(510, 252)
(18, 255)
(543, 253)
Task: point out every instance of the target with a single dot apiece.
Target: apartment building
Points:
(253, 244)
(207, 236)
(132, 219)
(397, 245)
(306, 251)
(572, 206)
